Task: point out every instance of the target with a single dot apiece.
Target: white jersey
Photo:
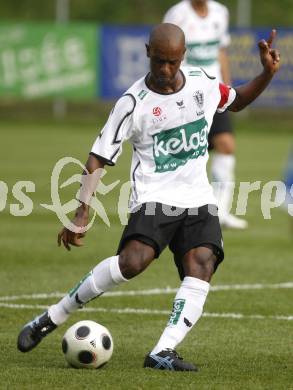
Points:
(169, 135)
(204, 35)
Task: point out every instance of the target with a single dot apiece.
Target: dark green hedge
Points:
(264, 13)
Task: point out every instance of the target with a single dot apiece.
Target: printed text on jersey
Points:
(174, 147)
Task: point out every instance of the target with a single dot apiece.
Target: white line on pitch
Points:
(155, 291)
(129, 310)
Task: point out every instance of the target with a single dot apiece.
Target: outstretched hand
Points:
(270, 58)
(74, 238)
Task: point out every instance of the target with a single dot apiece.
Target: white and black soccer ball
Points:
(87, 344)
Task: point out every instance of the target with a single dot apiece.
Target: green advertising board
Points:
(48, 60)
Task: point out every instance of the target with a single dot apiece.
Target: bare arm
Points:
(90, 180)
(225, 67)
(80, 220)
(270, 59)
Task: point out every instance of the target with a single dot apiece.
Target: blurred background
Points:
(65, 56)
(63, 63)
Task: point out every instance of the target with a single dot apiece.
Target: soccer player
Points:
(205, 24)
(166, 116)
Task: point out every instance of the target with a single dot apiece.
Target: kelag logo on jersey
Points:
(174, 147)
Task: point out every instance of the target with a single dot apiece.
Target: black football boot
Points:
(33, 332)
(168, 359)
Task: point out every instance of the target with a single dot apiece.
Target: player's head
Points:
(165, 50)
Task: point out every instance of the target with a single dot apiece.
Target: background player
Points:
(168, 129)
(205, 24)
(288, 180)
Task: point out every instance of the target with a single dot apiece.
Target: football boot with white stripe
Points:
(168, 359)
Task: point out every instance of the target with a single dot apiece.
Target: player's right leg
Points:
(109, 273)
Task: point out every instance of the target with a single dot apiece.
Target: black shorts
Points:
(221, 124)
(159, 226)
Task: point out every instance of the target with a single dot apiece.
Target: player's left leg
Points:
(198, 265)
(198, 249)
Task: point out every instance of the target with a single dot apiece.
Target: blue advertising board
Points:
(123, 61)
(245, 64)
(123, 58)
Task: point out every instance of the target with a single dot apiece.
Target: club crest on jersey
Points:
(173, 148)
(199, 99)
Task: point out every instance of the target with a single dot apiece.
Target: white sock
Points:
(222, 172)
(187, 309)
(102, 278)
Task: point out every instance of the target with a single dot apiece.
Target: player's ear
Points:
(147, 50)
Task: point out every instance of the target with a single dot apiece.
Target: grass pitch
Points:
(249, 350)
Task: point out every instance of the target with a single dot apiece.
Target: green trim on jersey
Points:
(202, 54)
(208, 43)
(194, 73)
(142, 94)
(173, 148)
(193, 62)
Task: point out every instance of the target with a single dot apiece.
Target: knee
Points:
(206, 261)
(224, 143)
(135, 258)
(200, 263)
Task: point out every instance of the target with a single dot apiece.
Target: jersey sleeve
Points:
(227, 97)
(118, 128)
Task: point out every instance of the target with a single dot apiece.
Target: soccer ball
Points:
(87, 344)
